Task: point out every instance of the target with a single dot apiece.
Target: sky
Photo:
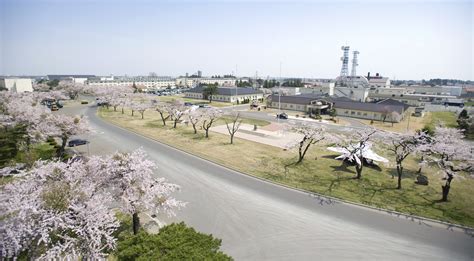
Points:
(399, 39)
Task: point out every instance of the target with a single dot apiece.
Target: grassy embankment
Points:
(319, 172)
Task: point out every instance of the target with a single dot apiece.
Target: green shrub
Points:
(173, 242)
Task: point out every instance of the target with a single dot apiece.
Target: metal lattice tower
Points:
(354, 63)
(345, 61)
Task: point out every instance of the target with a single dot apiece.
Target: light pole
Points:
(279, 97)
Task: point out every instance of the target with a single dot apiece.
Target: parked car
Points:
(54, 107)
(282, 116)
(84, 102)
(188, 104)
(203, 106)
(76, 142)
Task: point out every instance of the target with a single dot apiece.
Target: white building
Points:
(186, 82)
(142, 82)
(379, 82)
(435, 90)
(17, 84)
(359, 94)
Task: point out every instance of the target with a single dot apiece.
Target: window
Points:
(358, 113)
(346, 112)
(352, 112)
(365, 113)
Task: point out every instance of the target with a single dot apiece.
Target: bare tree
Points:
(233, 125)
(210, 115)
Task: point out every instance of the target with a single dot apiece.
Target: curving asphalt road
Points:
(258, 220)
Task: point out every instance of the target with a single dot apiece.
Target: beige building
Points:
(386, 110)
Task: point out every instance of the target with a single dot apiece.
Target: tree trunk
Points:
(122, 111)
(207, 133)
(419, 170)
(132, 112)
(136, 223)
(359, 170)
(142, 114)
(445, 188)
(231, 138)
(163, 119)
(115, 108)
(174, 124)
(400, 172)
(63, 145)
(195, 130)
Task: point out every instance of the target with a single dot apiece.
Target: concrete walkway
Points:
(272, 134)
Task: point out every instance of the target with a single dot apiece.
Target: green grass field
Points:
(318, 173)
(446, 117)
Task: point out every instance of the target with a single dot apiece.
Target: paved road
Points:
(261, 221)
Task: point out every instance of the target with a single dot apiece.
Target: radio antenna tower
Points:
(354, 63)
(345, 61)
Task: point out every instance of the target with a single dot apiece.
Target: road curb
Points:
(414, 218)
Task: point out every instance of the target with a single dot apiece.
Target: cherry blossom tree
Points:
(56, 211)
(395, 117)
(355, 143)
(162, 109)
(311, 134)
(176, 110)
(64, 126)
(194, 117)
(402, 145)
(142, 107)
(209, 116)
(71, 89)
(131, 177)
(60, 210)
(25, 110)
(451, 153)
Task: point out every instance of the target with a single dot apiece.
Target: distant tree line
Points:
(293, 83)
(431, 82)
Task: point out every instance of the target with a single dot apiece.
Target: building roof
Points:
(378, 80)
(303, 99)
(366, 106)
(455, 100)
(63, 76)
(393, 102)
(228, 91)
